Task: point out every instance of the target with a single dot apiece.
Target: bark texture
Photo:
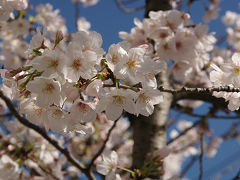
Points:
(149, 133)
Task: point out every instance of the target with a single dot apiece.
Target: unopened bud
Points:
(59, 37)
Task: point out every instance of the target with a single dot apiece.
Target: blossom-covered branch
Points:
(39, 130)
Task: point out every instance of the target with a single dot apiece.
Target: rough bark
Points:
(149, 133)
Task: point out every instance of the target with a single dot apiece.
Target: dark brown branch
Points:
(199, 90)
(104, 144)
(6, 115)
(42, 132)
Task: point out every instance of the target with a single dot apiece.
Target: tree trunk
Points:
(149, 133)
(156, 5)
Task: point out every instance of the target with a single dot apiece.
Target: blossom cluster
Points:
(24, 148)
(175, 38)
(7, 7)
(59, 80)
(225, 65)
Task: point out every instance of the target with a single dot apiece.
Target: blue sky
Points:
(108, 20)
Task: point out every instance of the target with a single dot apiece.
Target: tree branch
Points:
(42, 132)
(104, 144)
(199, 90)
(211, 113)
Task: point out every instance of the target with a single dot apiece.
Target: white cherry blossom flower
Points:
(18, 4)
(50, 19)
(34, 113)
(229, 18)
(79, 64)
(232, 70)
(5, 10)
(56, 119)
(20, 26)
(71, 92)
(116, 57)
(146, 100)
(9, 169)
(50, 62)
(91, 41)
(47, 91)
(94, 88)
(83, 24)
(109, 164)
(82, 112)
(132, 67)
(115, 101)
(35, 42)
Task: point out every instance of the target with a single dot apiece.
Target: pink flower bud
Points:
(163, 152)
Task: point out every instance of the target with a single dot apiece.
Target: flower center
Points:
(38, 111)
(178, 45)
(118, 100)
(48, 89)
(77, 64)
(237, 70)
(115, 59)
(53, 64)
(20, 25)
(143, 98)
(132, 63)
(8, 166)
(163, 35)
(83, 107)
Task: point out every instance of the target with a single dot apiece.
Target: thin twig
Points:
(223, 163)
(184, 132)
(6, 115)
(126, 10)
(227, 170)
(104, 144)
(201, 158)
(42, 132)
(181, 110)
(212, 111)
